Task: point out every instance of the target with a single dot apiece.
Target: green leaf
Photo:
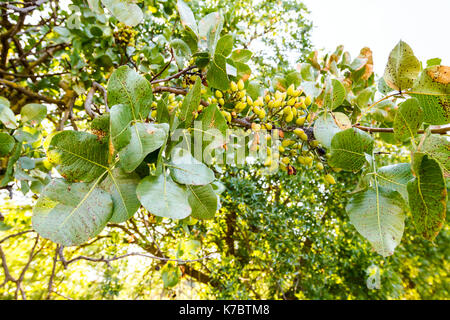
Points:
(307, 72)
(170, 275)
(201, 59)
(254, 89)
(27, 163)
(212, 118)
(432, 89)
(71, 214)
(122, 188)
(100, 125)
(348, 148)
(377, 214)
(334, 94)
(125, 11)
(186, 16)
(191, 39)
(357, 63)
(387, 137)
(241, 55)
(325, 128)
(4, 226)
(294, 78)
(218, 187)
(402, 67)
(126, 86)
(6, 143)
(210, 27)
(79, 156)
(438, 148)
(191, 103)
(6, 115)
(242, 70)
(33, 112)
(94, 5)
(145, 138)
(311, 88)
(279, 83)
(15, 154)
(162, 113)
(434, 62)
(408, 119)
(395, 177)
(121, 118)
(163, 197)
(27, 134)
(217, 75)
(225, 45)
(231, 68)
(427, 197)
(203, 201)
(186, 169)
(181, 51)
(363, 98)
(383, 87)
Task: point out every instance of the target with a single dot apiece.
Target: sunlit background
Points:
(380, 24)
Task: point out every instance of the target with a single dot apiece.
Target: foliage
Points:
(151, 164)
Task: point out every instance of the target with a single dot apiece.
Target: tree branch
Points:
(24, 9)
(442, 130)
(15, 235)
(176, 91)
(174, 76)
(30, 93)
(108, 260)
(90, 97)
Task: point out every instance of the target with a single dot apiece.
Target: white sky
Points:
(380, 24)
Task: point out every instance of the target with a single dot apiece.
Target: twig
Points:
(8, 276)
(15, 235)
(176, 91)
(48, 53)
(22, 75)
(25, 9)
(52, 276)
(165, 67)
(108, 260)
(174, 76)
(61, 295)
(442, 130)
(30, 258)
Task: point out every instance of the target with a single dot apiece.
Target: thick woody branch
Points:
(90, 97)
(67, 113)
(170, 89)
(30, 93)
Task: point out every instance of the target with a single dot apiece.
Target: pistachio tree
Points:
(113, 110)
